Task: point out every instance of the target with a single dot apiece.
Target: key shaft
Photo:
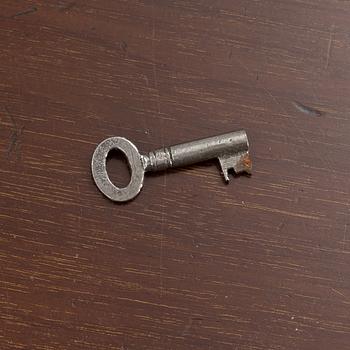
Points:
(230, 149)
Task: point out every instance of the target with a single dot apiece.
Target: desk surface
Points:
(263, 263)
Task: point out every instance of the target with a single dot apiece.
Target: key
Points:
(231, 149)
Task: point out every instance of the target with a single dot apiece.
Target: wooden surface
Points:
(263, 263)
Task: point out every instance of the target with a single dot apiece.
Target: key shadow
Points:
(201, 165)
(119, 171)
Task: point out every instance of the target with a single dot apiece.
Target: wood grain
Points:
(262, 263)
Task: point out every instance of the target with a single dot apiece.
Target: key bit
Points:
(231, 149)
(240, 163)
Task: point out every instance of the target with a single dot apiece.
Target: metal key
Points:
(232, 151)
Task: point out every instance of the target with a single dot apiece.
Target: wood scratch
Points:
(253, 76)
(345, 234)
(162, 240)
(245, 67)
(307, 110)
(274, 99)
(339, 293)
(162, 140)
(15, 141)
(250, 73)
(301, 133)
(68, 7)
(123, 46)
(25, 12)
(80, 216)
(280, 226)
(187, 327)
(154, 59)
(329, 49)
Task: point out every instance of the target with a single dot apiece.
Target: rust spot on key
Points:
(248, 165)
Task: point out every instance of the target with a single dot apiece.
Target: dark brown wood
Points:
(263, 263)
